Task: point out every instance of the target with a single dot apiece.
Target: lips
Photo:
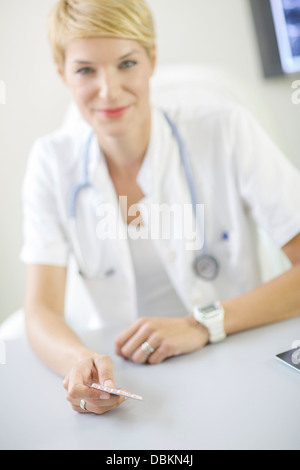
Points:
(113, 113)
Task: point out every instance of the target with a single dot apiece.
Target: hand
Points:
(94, 368)
(168, 336)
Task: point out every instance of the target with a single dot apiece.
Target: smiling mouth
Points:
(113, 113)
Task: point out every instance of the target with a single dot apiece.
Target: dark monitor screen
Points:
(277, 25)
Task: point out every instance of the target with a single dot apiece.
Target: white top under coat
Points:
(156, 295)
(241, 177)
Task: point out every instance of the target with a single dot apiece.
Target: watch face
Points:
(208, 309)
(209, 312)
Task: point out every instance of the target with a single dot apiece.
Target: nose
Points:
(108, 85)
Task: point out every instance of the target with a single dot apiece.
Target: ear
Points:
(61, 73)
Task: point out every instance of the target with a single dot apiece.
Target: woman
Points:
(105, 53)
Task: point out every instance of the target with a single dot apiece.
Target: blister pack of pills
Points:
(116, 391)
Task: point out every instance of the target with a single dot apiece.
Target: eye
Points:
(127, 64)
(84, 71)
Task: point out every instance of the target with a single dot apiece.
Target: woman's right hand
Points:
(93, 368)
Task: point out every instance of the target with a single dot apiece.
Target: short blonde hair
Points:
(74, 19)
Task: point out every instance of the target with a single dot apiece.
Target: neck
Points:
(124, 154)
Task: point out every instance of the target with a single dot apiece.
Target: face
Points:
(109, 80)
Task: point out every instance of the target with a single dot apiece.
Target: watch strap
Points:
(213, 322)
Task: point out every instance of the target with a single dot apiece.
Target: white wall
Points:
(198, 31)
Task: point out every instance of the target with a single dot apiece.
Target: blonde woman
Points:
(129, 158)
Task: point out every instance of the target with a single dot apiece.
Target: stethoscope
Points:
(205, 265)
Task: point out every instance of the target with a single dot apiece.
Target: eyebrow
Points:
(129, 54)
(78, 61)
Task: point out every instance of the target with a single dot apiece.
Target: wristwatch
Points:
(212, 317)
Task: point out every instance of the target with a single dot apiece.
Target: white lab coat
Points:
(241, 177)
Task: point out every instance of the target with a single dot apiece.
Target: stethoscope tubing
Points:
(189, 176)
(85, 184)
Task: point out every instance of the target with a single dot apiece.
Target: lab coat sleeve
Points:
(268, 183)
(44, 239)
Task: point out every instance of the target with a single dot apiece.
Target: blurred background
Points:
(210, 32)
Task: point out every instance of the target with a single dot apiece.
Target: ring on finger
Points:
(147, 348)
(83, 405)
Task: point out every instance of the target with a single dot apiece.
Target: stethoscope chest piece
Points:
(206, 267)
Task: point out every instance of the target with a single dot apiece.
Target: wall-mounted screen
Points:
(277, 25)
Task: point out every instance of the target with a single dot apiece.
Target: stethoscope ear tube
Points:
(76, 247)
(205, 265)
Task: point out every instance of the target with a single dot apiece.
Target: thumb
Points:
(66, 382)
(105, 369)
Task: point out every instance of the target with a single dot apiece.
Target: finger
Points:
(140, 356)
(83, 392)
(134, 343)
(123, 337)
(81, 374)
(163, 352)
(105, 369)
(94, 400)
(79, 409)
(98, 408)
(104, 409)
(113, 401)
(66, 382)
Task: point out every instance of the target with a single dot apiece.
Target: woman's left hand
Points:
(167, 336)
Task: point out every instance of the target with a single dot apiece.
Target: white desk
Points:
(244, 399)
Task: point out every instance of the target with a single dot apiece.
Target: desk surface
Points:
(241, 398)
